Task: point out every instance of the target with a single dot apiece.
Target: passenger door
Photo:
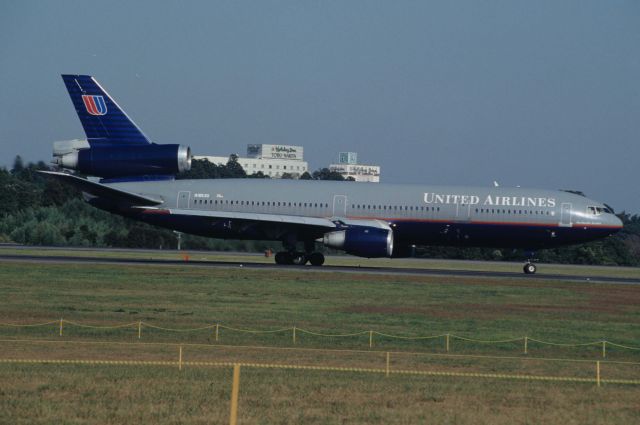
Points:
(463, 212)
(565, 214)
(340, 205)
(183, 199)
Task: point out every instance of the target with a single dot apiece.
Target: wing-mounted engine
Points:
(369, 239)
(112, 161)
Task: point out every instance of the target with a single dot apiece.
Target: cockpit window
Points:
(598, 210)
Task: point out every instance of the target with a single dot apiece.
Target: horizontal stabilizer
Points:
(101, 190)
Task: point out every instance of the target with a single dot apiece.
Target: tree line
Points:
(35, 210)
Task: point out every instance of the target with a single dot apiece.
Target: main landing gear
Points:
(296, 258)
(299, 258)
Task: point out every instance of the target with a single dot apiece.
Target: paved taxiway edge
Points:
(333, 269)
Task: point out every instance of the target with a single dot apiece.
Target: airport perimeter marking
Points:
(328, 350)
(182, 364)
(217, 326)
(329, 268)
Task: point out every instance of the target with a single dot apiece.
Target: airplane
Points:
(362, 219)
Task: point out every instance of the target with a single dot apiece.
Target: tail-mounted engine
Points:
(112, 161)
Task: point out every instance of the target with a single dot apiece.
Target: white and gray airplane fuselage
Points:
(302, 210)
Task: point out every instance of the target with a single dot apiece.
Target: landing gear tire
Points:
(298, 259)
(529, 268)
(283, 258)
(316, 259)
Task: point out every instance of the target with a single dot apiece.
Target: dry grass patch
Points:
(110, 395)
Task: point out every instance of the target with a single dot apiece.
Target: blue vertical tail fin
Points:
(104, 122)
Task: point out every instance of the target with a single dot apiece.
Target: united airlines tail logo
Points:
(95, 104)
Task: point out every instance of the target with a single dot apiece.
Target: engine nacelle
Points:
(111, 161)
(362, 241)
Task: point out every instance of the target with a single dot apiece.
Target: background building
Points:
(348, 166)
(272, 160)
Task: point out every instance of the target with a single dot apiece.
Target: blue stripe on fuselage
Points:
(501, 235)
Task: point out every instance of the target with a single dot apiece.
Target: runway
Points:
(58, 259)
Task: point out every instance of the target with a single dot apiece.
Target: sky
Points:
(539, 94)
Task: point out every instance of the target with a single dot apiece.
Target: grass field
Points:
(186, 297)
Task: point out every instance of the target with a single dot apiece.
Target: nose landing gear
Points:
(529, 268)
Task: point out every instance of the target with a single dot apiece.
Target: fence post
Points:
(60, 326)
(526, 339)
(387, 364)
(370, 339)
(598, 373)
(235, 389)
(217, 330)
(180, 358)
(294, 335)
(447, 343)
(604, 349)
(139, 329)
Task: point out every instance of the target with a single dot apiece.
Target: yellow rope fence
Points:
(139, 325)
(181, 363)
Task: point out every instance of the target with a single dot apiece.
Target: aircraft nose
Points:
(611, 222)
(616, 222)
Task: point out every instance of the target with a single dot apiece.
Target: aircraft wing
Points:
(101, 190)
(318, 222)
(238, 225)
(230, 223)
